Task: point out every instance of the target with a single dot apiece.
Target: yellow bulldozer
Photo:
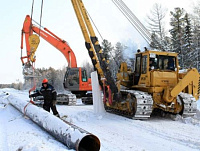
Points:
(157, 83)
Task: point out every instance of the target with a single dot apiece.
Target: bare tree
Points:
(89, 68)
(156, 25)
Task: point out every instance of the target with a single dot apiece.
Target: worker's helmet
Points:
(45, 81)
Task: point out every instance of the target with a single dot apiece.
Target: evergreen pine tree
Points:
(177, 22)
(107, 49)
(196, 36)
(188, 43)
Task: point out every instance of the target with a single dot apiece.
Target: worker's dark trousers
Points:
(53, 108)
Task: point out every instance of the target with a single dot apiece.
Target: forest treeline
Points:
(182, 35)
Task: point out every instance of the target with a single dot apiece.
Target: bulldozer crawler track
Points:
(190, 105)
(143, 105)
(119, 112)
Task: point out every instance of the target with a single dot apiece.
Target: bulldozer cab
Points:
(150, 64)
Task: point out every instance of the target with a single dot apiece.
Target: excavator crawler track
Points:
(68, 99)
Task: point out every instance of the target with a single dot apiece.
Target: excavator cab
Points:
(76, 81)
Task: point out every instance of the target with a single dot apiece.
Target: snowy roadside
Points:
(20, 133)
(116, 133)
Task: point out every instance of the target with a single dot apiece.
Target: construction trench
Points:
(70, 135)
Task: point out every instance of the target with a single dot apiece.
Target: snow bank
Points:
(115, 132)
(19, 133)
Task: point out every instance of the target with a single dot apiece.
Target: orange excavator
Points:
(75, 79)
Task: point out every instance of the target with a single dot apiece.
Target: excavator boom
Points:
(61, 45)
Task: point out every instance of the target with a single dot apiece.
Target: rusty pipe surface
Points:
(70, 135)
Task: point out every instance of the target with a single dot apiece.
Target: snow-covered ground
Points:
(116, 133)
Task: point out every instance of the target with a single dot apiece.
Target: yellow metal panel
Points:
(191, 76)
(163, 79)
(143, 79)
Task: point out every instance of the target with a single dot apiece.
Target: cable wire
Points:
(37, 23)
(137, 20)
(31, 15)
(133, 20)
(95, 25)
(41, 16)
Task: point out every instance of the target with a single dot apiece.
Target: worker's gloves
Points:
(54, 102)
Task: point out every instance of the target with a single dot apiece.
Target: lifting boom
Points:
(107, 83)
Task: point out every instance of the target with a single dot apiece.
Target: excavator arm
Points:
(58, 43)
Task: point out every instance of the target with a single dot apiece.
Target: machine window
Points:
(153, 63)
(138, 62)
(73, 77)
(144, 64)
(167, 63)
(84, 76)
(162, 63)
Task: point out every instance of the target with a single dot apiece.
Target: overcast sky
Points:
(59, 17)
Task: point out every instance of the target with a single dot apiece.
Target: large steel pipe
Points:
(70, 135)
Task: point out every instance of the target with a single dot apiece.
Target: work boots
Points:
(57, 115)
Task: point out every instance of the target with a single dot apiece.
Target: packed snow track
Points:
(116, 133)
